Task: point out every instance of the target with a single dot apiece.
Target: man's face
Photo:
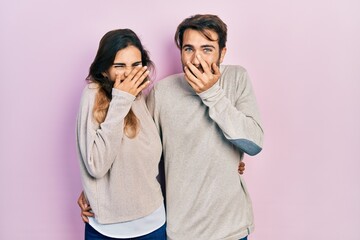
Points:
(195, 43)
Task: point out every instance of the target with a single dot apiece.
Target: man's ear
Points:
(222, 54)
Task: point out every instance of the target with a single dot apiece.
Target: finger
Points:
(84, 219)
(141, 78)
(190, 75)
(216, 69)
(194, 70)
(87, 214)
(241, 168)
(82, 203)
(139, 74)
(86, 209)
(142, 86)
(81, 200)
(204, 65)
(194, 86)
(189, 78)
(133, 72)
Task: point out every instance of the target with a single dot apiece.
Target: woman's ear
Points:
(105, 75)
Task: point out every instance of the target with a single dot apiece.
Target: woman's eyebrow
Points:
(123, 64)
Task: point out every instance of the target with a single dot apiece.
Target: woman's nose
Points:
(128, 70)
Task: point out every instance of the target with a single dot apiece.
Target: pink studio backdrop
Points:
(304, 61)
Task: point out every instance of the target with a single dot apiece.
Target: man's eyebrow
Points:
(208, 46)
(188, 45)
(202, 46)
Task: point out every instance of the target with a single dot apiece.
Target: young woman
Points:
(118, 144)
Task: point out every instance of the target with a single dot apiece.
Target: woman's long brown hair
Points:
(110, 44)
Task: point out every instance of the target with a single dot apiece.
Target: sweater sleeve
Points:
(99, 144)
(239, 122)
(153, 108)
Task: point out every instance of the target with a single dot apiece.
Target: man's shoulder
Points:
(236, 69)
(168, 81)
(233, 77)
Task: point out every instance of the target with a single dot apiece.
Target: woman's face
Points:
(125, 60)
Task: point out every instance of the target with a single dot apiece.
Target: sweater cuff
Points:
(119, 93)
(212, 95)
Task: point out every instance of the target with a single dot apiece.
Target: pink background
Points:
(304, 61)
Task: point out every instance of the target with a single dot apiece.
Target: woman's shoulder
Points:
(91, 89)
(89, 92)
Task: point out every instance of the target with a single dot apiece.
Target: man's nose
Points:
(194, 60)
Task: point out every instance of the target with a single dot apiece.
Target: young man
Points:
(207, 118)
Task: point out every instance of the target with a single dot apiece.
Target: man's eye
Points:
(207, 50)
(187, 49)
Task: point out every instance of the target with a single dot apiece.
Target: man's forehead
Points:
(192, 36)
